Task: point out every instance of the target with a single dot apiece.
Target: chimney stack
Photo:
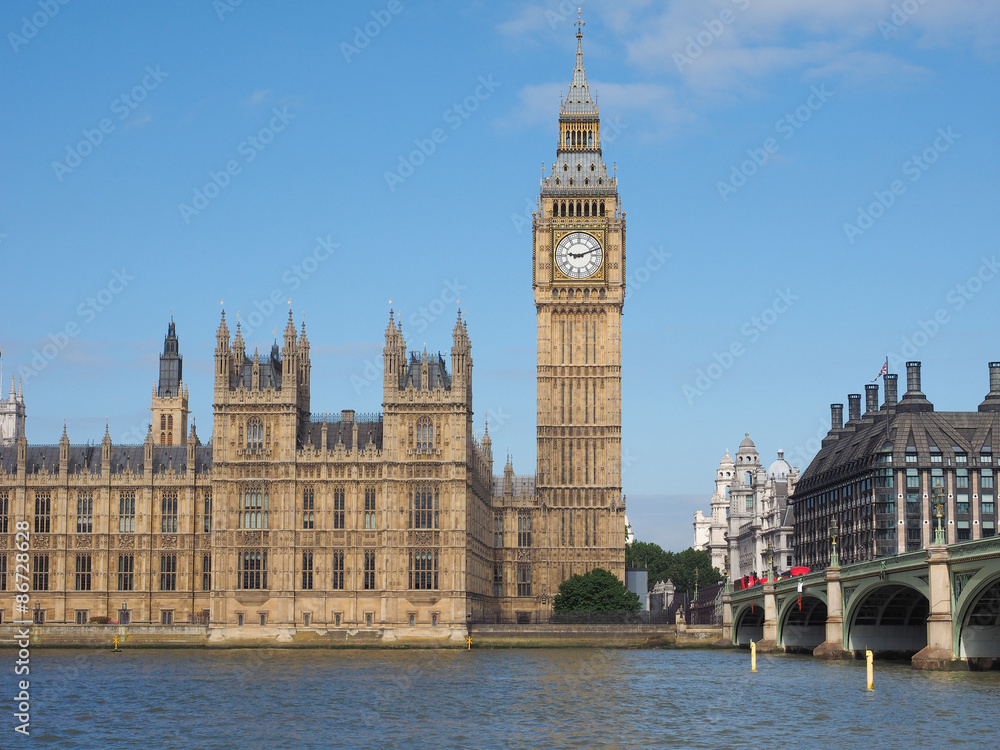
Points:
(890, 389)
(871, 398)
(853, 407)
(992, 400)
(913, 379)
(914, 399)
(836, 416)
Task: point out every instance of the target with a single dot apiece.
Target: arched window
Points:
(571, 208)
(563, 209)
(425, 436)
(748, 479)
(590, 137)
(253, 508)
(163, 421)
(170, 438)
(163, 438)
(567, 137)
(255, 435)
(170, 422)
(602, 203)
(586, 206)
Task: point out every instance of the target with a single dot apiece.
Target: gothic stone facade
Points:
(290, 521)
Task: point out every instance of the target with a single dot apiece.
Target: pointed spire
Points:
(222, 333)
(303, 341)
(578, 100)
(20, 390)
(238, 342)
(107, 431)
(13, 393)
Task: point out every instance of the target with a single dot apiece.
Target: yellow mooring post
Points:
(870, 660)
(753, 656)
(469, 642)
(116, 641)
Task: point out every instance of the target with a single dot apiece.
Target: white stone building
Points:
(749, 514)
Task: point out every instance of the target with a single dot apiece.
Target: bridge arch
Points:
(979, 625)
(887, 617)
(748, 624)
(802, 622)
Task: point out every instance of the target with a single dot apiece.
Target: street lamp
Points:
(696, 584)
(770, 562)
(38, 608)
(834, 557)
(938, 495)
(123, 614)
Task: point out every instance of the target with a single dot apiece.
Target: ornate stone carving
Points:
(126, 542)
(83, 541)
(168, 541)
(250, 538)
(960, 579)
(40, 541)
(523, 555)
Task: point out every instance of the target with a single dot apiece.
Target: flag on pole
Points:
(883, 371)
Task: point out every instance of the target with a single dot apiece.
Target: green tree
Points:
(678, 567)
(598, 591)
(652, 557)
(686, 563)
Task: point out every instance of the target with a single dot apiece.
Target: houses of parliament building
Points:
(287, 521)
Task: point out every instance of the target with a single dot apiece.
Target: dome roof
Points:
(780, 469)
(747, 442)
(726, 460)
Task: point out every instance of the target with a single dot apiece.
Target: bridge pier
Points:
(938, 654)
(770, 640)
(833, 646)
(727, 619)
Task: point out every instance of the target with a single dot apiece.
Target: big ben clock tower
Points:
(578, 277)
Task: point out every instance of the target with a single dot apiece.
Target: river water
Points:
(492, 698)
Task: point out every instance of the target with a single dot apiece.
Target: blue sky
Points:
(810, 187)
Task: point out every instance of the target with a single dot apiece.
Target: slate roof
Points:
(369, 431)
(86, 459)
(437, 372)
(854, 448)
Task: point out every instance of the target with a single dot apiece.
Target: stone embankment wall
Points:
(483, 636)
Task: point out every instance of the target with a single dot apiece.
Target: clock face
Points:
(579, 255)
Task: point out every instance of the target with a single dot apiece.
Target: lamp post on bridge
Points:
(938, 497)
(834, 557)
(770, 562)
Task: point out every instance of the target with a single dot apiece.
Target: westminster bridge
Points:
(941, 604)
